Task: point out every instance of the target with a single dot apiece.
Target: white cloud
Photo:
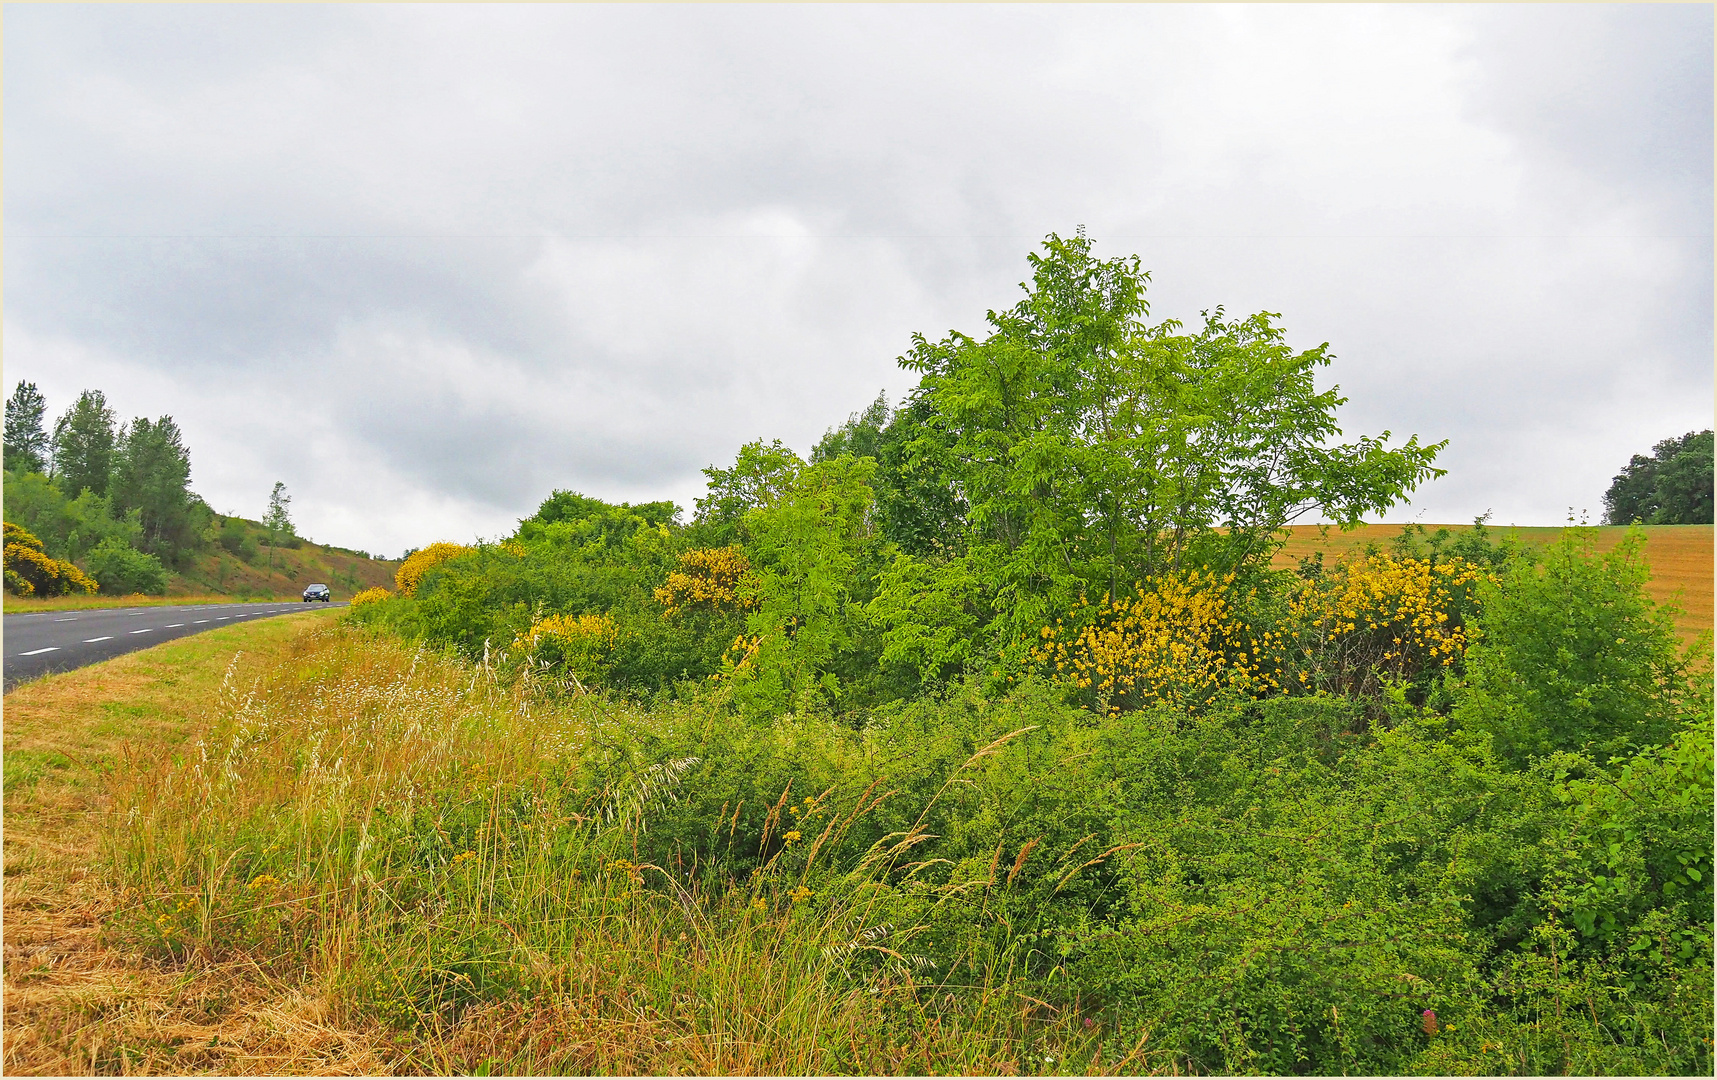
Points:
(507, 249)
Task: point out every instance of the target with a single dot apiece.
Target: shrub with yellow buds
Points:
(582, 643)
(710, 578)
(1177, 640)
(1378, 618)
(370, 596)
(411, 572)
(30, 571)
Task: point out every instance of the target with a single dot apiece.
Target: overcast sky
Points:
(425, 264)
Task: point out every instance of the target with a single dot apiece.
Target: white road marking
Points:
(200, 620)
(172, 625)
(38, 652)
(222, 618)
(93, 640)
(74, 618)
(145, 630)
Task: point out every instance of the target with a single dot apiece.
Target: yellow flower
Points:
(463, 856)
(800, 894)
(791, 835)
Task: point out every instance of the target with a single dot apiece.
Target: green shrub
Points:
(1570, 654)
(123, 570)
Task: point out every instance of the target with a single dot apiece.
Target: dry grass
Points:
(75, 1004)
(29, 604)
(1680, 558)
(618, 977)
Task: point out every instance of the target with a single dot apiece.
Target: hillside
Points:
(240, 564)
(1680, 558)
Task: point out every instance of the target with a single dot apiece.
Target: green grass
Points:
(482, 926)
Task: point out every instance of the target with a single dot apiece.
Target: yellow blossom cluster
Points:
(740, 656)
(1175, 640)
(411, 572)
(709, 578)
(583, 643)
(370, 596)
(1377, 617)
(573, 630)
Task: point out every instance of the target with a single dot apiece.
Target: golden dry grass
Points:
(1680, 558)
(620, 995)
(28, 604)
(73, 1003)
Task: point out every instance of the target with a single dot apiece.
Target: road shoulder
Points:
(73, 1003)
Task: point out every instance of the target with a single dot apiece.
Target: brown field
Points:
(1680, 558)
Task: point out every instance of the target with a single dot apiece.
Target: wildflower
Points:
(800, 894)
(463, 856)
(791, 835)
(1428, 1020)
(263, 881)
(758, 904)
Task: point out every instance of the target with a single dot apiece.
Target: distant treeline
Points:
(111, 497)
(1672, 487)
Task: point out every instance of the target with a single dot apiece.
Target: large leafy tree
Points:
(1672, 487)
(26, 439)
(1089, 448)
(151, 475)
(84, 445)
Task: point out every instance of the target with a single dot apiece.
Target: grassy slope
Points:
(1680, 558)
(282, 575)
(73, 1003)
(219, 576)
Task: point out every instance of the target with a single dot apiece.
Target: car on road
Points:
(318, 592)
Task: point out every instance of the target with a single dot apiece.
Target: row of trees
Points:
(115, 497)
(142, 467)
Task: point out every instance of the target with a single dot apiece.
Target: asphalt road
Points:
(47, 641)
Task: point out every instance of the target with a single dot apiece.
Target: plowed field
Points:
(1680, 558)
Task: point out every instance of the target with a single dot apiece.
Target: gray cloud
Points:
(426, 263)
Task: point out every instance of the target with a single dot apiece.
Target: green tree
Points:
(812, 549)
(68, 528)
(761, 475)
(84, 445)
(26, 439)
(860, 436)
(1092, 449)
(1672, 487)
(152, 475)
(276, 520)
